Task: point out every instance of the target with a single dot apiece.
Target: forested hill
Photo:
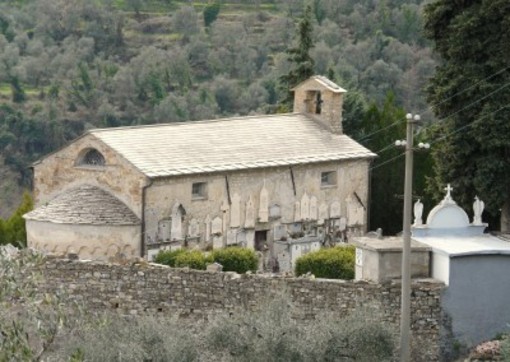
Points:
(69, 65)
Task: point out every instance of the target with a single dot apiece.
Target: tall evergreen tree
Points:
(302, 64)
(470, 92)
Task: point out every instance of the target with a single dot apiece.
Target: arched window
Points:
(92, 158)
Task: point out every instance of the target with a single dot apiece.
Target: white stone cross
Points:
(448, 190)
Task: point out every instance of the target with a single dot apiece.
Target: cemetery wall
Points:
(144, 288)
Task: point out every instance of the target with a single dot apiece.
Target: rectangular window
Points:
(199, 190)
(328, 178)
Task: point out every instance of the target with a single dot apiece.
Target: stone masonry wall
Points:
(152, 289)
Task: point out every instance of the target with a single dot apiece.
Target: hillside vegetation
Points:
(70, 65)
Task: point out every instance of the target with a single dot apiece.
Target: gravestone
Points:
(279, 232)
(207, 228)
(217, 242)
(217, 226)
(297, 211)
(225, 207)
(249, 220)
(193, 228)
(177, 215)
(323, 213)
(355, 212)
(250, 239)
(264, 205)
(164, 228)
(241, 237)
(235, 211)
(313, 208)
(275, 212)
(335, 212)
(305, 207)
(231, 237)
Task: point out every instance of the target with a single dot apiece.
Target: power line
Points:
(435, 104)
(441, 138)
(456, 112)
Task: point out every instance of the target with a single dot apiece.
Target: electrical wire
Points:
(434, 105)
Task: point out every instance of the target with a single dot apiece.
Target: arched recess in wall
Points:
(90, 157)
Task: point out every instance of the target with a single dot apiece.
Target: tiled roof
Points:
(229, 144)
(85, 205)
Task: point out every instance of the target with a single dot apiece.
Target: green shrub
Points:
(333, 263)
(194, 259)
(236, 259)
(167, 257)
(270, 333)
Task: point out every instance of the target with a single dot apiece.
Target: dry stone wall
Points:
(152, 289)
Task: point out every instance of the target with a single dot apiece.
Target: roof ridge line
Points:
(176, 124)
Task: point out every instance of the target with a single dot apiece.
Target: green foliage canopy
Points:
(302, 64)
(13, 230)
(470, 92)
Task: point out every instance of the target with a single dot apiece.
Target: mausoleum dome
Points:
(447, 215)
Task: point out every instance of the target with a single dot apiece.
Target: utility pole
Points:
(405, 304)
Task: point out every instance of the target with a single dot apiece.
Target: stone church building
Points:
(247, 181)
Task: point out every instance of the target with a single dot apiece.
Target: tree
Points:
(302, 64)
(14, 228)
(211, 12)
(387, 178)
(470, 93)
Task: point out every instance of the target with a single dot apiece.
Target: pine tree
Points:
(470, 93)
(302, 64)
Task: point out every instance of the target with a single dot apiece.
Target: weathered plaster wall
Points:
(164, 194)
(58, 172)
(89, 241)
(141, 289)
(478, 295)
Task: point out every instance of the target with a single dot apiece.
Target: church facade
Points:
(247, 181)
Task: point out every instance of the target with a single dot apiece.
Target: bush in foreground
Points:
(167, 257)
(193, 259)
(266, 335)
(236, 259)
(332, 263)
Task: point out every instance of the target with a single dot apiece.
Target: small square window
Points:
(199, 190)
(328, 178)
